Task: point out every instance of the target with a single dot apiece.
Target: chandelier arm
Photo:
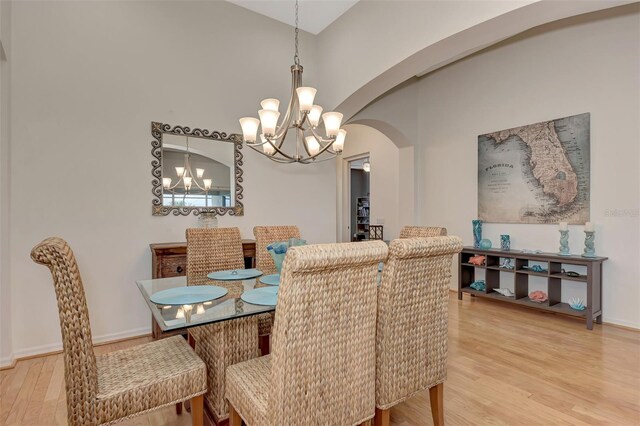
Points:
(281, 134)
(311, 160)
(292, 160)
(274, 159)
(320, 138)
(171, 188)
(326, 147)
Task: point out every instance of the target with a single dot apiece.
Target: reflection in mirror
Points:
(197, 172)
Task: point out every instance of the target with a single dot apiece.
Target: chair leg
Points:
(436, 394)
(234, 417)
(263, 344)
(383, 417)
(179, 408)
(197, 410)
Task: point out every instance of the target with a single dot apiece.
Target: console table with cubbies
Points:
(519, 279)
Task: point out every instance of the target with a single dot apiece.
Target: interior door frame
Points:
(345, 234)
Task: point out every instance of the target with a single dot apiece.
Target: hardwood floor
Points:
(507, 366)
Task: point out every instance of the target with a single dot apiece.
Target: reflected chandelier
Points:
(187, 178)
(302, 117)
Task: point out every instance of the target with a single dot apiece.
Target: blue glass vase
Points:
(477, 232)
(505, 242)
(278, 250)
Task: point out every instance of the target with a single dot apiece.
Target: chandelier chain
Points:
(296, 59)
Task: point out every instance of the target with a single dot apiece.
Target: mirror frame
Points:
(159, 129)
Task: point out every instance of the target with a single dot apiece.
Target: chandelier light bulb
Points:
(200, 173)
(314, 115)
(268, 148)
(269, 121)
(180, 171)
(271, 104)
(249, 128)
(306, 96)
(187, 182)
(312, 145)
(166, 182)
(332, 121)
(338, 144)
(207, 184)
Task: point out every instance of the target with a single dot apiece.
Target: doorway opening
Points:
(359, 190)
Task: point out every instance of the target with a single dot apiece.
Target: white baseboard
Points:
(57, 347)
(7, 361)
(122, 335)
(622, 323)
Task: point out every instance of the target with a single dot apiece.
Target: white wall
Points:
(89, 77)
(6, 355)
(590, 64)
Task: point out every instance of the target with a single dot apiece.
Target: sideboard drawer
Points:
(173, 266)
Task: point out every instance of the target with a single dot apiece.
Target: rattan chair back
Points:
(411, 335)
(323, 355)
(80, 369)
(213, 249)
(422, 231)
(210, 250)
(266, 235)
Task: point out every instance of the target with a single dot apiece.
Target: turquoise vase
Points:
(505, 242)
(278, 250)
(477, 232)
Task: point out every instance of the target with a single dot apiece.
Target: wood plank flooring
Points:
(507, 366)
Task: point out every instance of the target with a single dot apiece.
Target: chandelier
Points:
(301, 117)
(187, 180)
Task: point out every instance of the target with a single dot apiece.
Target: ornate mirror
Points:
(195, 170)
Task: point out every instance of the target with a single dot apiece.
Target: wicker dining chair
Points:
(422, 231)
(229, 342)
(411, 334)
(264, 236)
(321, 370)
(120, 384)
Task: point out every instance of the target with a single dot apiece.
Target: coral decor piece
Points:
(534, 268)
(478, 260)
(504, 291)
(478, 285)
(507, 264)
(538, 296)
(577, 304)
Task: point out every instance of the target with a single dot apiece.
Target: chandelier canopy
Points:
(301, 117)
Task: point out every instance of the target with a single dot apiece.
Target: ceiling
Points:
(315, 15)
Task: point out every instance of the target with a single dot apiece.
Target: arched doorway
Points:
(390, 200)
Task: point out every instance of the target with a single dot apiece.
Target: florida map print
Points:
(537, 173)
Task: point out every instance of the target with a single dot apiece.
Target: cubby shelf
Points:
(563, 308)
(519, 280)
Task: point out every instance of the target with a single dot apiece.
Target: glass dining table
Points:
(180, 317)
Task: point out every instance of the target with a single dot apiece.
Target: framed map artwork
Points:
(539, 173)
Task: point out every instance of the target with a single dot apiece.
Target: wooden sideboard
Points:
(170, 260)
